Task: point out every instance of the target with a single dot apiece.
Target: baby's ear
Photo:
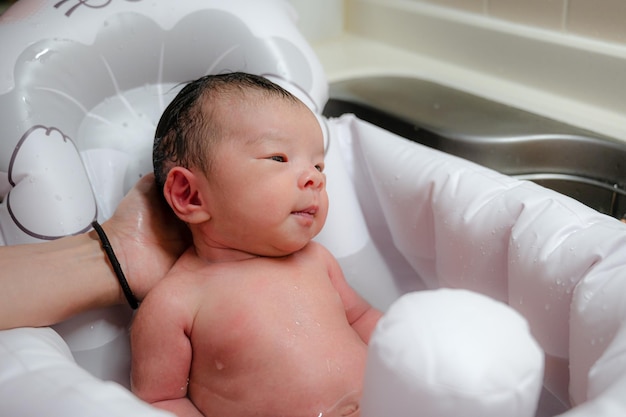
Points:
(183, 194)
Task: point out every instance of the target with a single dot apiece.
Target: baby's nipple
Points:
(351, 409)
(347, 406)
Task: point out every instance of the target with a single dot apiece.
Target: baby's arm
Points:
(161, 353)
(360, 314)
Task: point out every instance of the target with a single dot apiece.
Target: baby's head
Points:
(189, 127)
(239, 159)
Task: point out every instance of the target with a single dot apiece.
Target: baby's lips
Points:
(311, 211)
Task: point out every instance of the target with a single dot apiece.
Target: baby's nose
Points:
(312, 178)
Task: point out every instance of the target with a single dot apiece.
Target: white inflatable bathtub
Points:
(82, 84)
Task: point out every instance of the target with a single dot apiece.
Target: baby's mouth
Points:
(308, 212)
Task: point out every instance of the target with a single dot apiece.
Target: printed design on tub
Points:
(86, 3)
(39, 146)
(88, 92)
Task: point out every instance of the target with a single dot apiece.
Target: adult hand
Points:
(146, 236)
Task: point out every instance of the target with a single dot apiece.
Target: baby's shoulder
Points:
(169, 298)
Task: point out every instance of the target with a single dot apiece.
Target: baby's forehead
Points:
(238, 102)
(253, 114)
(220, 106)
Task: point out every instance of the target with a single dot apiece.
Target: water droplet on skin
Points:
(184, 387)
(219, 365)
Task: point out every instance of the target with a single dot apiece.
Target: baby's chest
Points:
(267, 309)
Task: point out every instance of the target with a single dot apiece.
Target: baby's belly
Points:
(290, 378)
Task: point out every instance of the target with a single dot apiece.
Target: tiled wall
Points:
(598, 19)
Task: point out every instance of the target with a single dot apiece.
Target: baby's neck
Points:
(213, 251)
(219, 255)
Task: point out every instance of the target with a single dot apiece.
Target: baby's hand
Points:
(146, 236)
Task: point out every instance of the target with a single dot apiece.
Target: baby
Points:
(254, 319)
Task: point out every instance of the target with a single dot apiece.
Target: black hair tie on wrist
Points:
(106, 245)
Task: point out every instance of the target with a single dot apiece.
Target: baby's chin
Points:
(286, 250)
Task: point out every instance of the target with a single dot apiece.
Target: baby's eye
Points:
(320, 167)
(278, 158)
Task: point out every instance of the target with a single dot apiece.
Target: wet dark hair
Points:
(187, 128)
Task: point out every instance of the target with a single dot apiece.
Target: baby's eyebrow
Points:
(266, 138)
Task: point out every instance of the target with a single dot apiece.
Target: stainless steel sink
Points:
(581, 164)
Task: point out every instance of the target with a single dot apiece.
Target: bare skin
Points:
(255, 319)
(271, 337)
(147, 239)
